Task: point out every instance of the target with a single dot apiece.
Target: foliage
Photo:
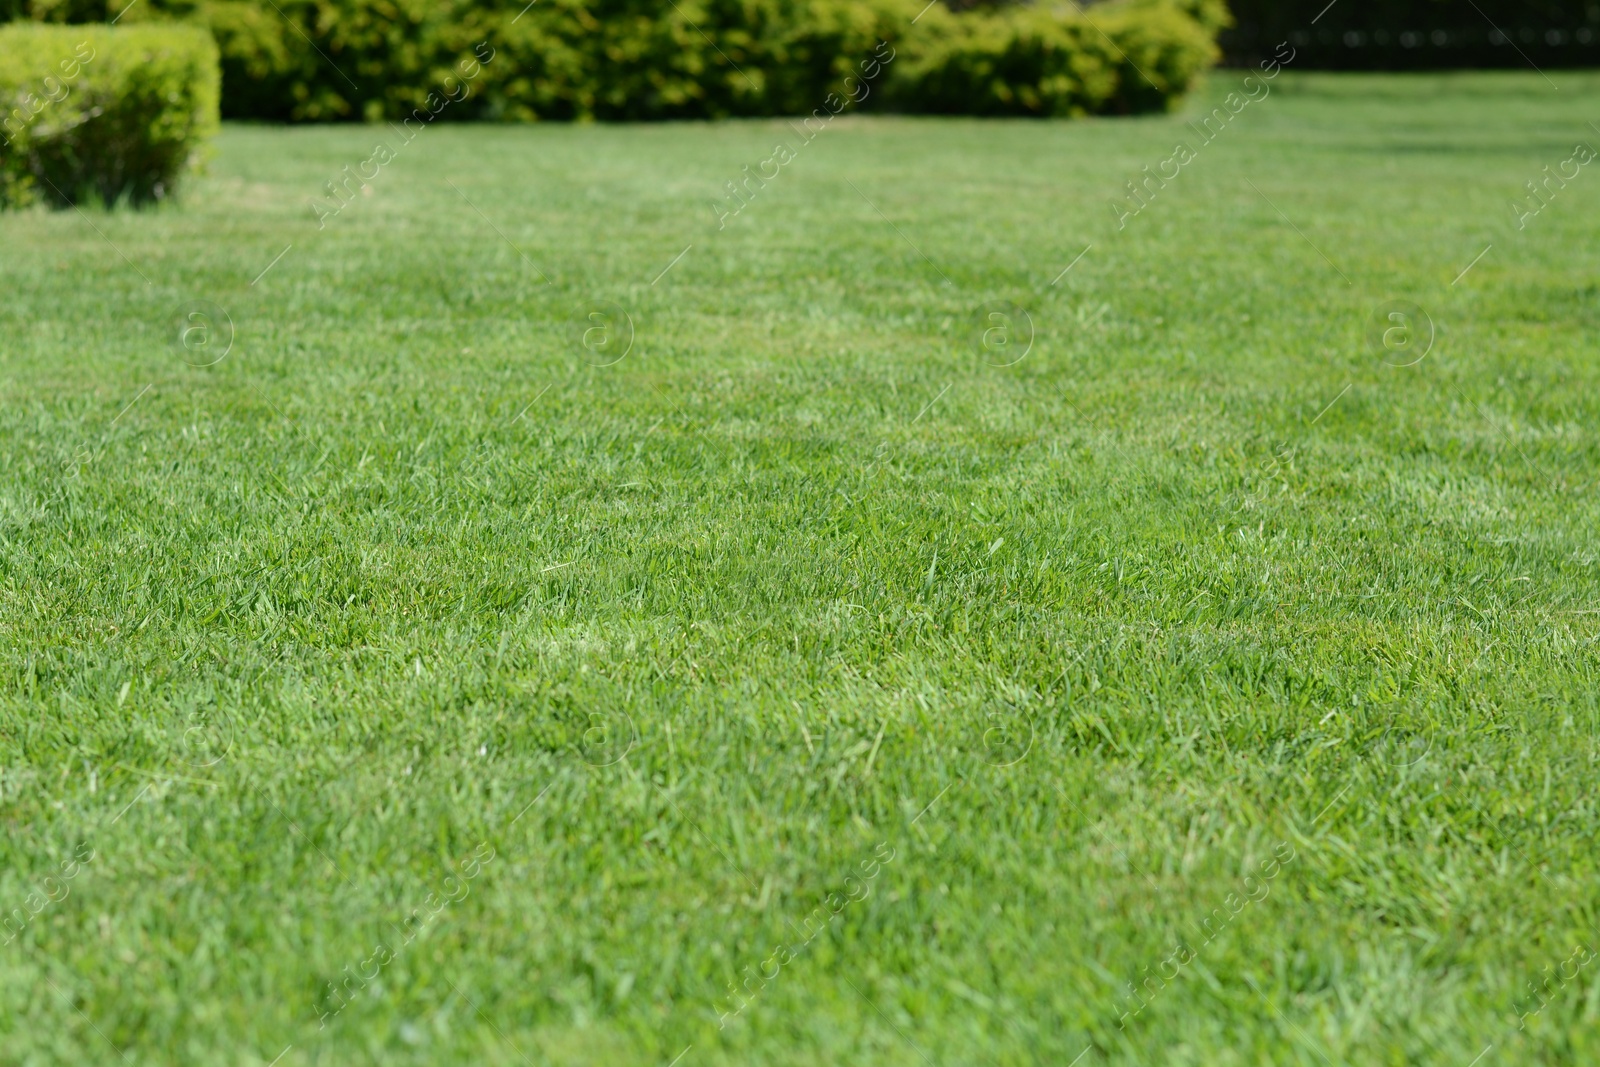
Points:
(626, 59)
(558, 59)
(102, 113)
(1118, 58)
(318, 60)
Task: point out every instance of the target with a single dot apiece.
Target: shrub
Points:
(623, 59)
(1120, 57)
(558, 59)
(649, 59)
(314, 60)
(95, 112)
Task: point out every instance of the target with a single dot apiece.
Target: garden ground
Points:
(524, 622)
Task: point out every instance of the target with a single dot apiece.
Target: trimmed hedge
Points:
(320, 60)
(647, 59)
(625, 59)
(102, 113)
(1117, 57)
(556, 59)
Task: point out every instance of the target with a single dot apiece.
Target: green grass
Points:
(1077, 641)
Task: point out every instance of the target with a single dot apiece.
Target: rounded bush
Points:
(103, 113)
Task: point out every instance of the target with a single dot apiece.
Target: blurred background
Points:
(1417, 34)
(371, 57)
(1348, 35)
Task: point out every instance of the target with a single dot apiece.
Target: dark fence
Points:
(1343, 35)
(1417, 34)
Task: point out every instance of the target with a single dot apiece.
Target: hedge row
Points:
(93, 113)
(1120, 58)
(317, 60)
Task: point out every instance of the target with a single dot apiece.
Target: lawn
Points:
(517, 621)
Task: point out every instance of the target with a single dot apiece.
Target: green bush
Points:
(318, 60)
(626, 59)
(1120, 57)
(102, 113)
(324, 60)
(556, 59)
